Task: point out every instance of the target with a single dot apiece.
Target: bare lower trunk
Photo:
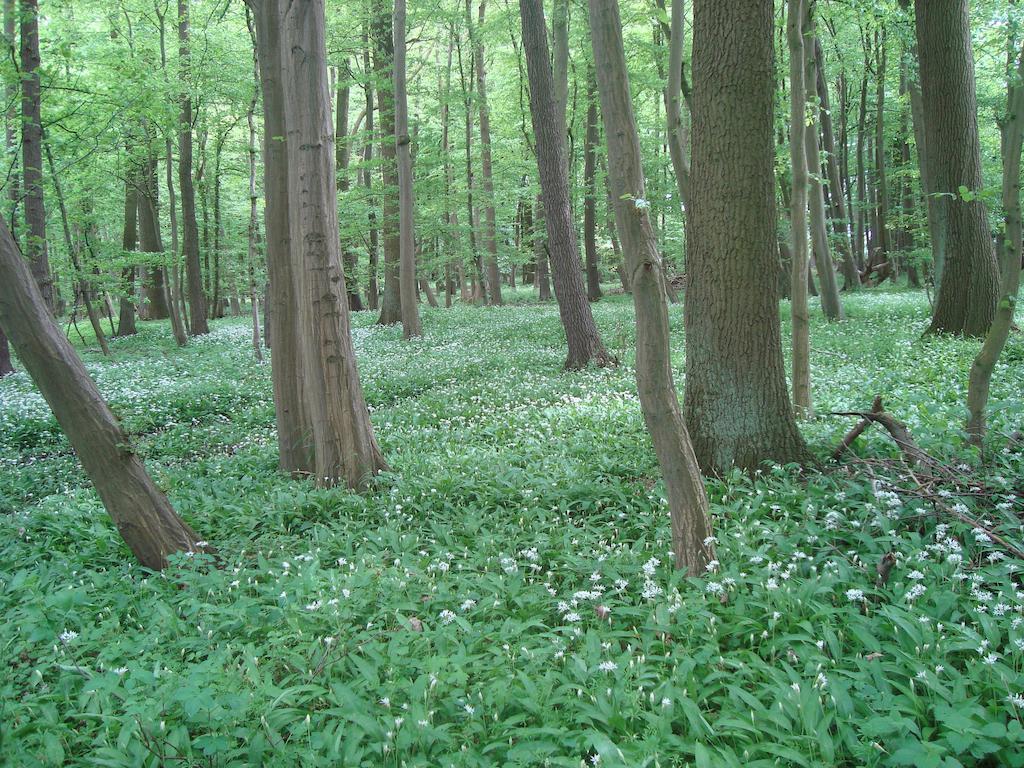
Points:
(383, 64)
(372, 289)
(139, 509)
(591, 139)
(129, 242)
(581, 331)
(254, 220)
(411, 326)
(490, 228)
(688, 503)
(32, 151)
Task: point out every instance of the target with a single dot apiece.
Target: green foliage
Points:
(505, 596)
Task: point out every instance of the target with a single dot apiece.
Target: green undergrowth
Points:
(505, 595)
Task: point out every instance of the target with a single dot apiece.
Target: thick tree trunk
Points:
(490, 228)
(840, 221)
(590, 141)
(294, 427)
(799, 255)
(343, 442)
(410, 311)
(139, 509)
(737, 407)
(32, 152)
(966, 301)
(581, 331)
(382, 31)
(129, 243)
(688, 503)
(189, 226)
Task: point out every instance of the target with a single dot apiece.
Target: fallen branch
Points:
(912, 454)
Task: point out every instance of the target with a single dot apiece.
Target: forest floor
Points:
(505, 595)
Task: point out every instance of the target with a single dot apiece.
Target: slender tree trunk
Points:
(966, 301)
(129, 243)
(140, 510)
(10, 114)
(32, 151)
(190, 228)
(479, 282)
(82, 284)
(881, 174)
(592, 137)
(860, 233)
(490, 229)
(799, 259)
(840, 221)
(254, 219)
(688, 504)
(343, 442)
(174, 301)
(581, 332)
(1012, 137)
(540, 251)
(150, 240)
(293, 419)
(343, 152)
(737, 407)
(410, 312)
(382, 31)
(6, 367)
(372, 289)
(677, 140)
(451, 216)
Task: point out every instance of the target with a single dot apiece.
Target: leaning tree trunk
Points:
(140, 510)
(688, 503)
(799, 258)
(581, 332)
(383, 63)
(189, 226)
(966, 301)
(32, 151)
(343, 442)
(590, 191)
(1012, 137)
(411, 326)
(281, 314)
(737, 407)
(129, 242)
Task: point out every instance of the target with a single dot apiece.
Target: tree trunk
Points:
(372, 289)
(581, 331)
(150, 240)
(479, 283)
(254, 220)
(840, 221)
(32, 151)
(540, 251)
(688, 503)
(343, 443)
(881, 174)
(966, 301)
(343, 152)
(294, 427)
(590, 191)
(140, 510)
(1012, 137)
(451, 217)
(6, 367)
(737, 407)
(490, 229)
(189, 226)
(383, 64)
(860, 232)
(799, 258)
(174, 301)
(410, 311)
(828, 284)
(129, 243)
(673, 101)
(10, 114)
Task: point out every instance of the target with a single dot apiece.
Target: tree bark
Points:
(581, 331)
(799, 259)
(382, 30)
(189, 226)
(343, 152)
(150, 240)
(294, 426)
(490, 228)
(966, 300)
(673, 101)
(881, 173)
(737, 407)
(410, 311)
(254, 220)
(372, 289)
(32, 152)
(688, 503)
(840, 220)
(540, 251)
(343, 442)
(591, 139)
(129, 243)
(140, 510)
